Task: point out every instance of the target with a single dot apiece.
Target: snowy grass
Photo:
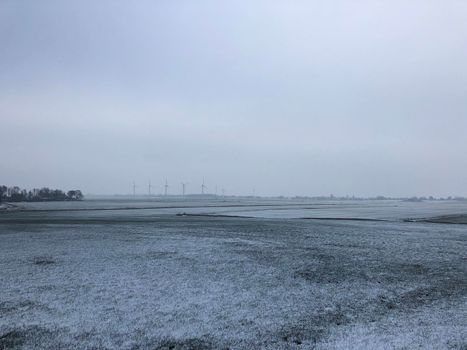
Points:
(229, 283)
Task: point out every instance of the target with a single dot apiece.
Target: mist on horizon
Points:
(284, 98)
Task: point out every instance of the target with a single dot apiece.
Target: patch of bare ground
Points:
(313, 329)
(30, 337)
(44, 260)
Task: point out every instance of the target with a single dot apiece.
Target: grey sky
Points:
(288, 97)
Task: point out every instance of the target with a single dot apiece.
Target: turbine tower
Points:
(149, 187)
(166, 187)
(134, 188)
(203, 187)
(183, 188)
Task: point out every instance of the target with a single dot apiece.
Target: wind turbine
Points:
(183, 188)
(203, 187)
(149, 187)
(134, 188)
(166, 187)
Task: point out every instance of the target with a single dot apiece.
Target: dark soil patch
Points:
(43, 260)
(187, 344)
(439, 290)
(6, 307)
(159, 255)
(313, 329)
(12, 340)
(443, 289)
(32, 337)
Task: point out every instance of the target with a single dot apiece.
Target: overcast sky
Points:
(287, 97)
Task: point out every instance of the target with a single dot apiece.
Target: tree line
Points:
(17, 194)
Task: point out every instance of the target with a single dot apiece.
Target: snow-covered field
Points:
(76, 275)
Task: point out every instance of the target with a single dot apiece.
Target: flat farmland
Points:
(198, 275)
